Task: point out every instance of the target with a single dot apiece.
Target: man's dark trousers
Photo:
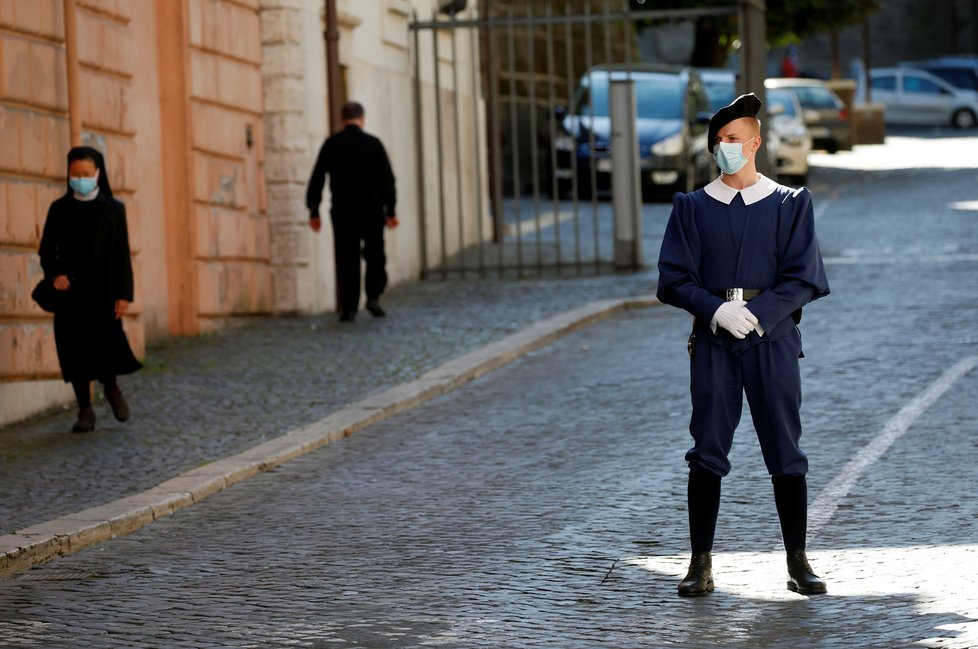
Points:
(350, 230)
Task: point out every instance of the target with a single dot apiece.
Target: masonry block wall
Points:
(227, 152)
(34, 119)
(294, 129)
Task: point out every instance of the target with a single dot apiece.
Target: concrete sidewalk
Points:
(264, 393)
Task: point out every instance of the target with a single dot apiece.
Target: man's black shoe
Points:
(347, 316)
(801, 577)
(86, 421)
(699, 579)
(118, 402)
(375, 309)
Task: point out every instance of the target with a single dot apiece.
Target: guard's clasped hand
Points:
(735, 318)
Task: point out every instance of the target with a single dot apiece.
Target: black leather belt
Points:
(732, 294)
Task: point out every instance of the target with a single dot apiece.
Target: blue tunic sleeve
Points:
(680, 283)
(801, 273)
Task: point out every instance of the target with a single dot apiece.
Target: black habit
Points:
(88, 241)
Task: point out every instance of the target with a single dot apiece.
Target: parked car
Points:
(794, 140)
(673, 114)
(721, 86)
(824, 113)
(788, 140)
(912, 96)
(959, 71)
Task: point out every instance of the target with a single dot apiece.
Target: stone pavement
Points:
(543, 505)
(202, 399)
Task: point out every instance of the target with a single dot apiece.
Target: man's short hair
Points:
(351, 110)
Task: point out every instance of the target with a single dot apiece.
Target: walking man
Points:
(361, 183)
(741, 256)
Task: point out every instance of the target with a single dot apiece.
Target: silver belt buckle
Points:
(734, 294)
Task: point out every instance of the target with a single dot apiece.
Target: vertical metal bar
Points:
(419, 148)
(571, 84)
(441, 164)
(514, 140)
(607, 59)
(534, 135)
(627, 28)
(474, 74)
(552, 102)
(498, 215)
(589, 59)
(459, 203)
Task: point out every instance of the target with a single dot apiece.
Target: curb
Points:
(73, 532)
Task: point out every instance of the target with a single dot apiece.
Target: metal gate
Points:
(505, 195)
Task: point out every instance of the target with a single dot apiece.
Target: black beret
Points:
(743, 106)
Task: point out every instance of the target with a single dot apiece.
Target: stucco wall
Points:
(33, 111)
(376, 53)
(210, 114)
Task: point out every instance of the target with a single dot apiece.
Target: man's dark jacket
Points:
(360, 176)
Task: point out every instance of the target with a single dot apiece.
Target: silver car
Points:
(912, 96)
(824, 113)
(794, 140)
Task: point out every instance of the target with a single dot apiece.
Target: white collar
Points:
(84, 198)
(724, 193)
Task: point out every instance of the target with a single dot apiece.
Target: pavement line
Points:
(73, 532)
(824, 506)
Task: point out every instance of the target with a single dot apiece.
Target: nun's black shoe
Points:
(118, 402)
(86, 421)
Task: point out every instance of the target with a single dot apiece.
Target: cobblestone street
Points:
(543, 505)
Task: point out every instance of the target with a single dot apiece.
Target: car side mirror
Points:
(703, 117)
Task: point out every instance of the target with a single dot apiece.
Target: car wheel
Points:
(963, 118)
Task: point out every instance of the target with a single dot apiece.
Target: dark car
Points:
(673, 112)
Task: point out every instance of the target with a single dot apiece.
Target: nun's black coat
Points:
(88, 241)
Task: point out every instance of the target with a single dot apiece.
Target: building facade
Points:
(210, 114)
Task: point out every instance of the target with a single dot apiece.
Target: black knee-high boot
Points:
(703, 498)
(791, 499)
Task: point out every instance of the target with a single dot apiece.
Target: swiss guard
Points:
(740, 255)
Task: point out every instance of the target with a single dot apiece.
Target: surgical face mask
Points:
(730, 156)
(82, 185)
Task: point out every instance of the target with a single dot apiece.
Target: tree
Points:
(788, 21)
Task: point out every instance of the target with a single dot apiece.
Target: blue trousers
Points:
(769, 375)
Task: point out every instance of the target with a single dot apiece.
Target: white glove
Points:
(735, 318)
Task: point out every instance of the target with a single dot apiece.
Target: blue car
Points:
(673, 114)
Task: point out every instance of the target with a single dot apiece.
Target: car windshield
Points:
(657, 98)
(721, 93)
(782, 100)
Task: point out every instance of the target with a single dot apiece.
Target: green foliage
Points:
(794, 20)
(788, 21)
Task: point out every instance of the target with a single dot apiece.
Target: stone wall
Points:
(33, 114)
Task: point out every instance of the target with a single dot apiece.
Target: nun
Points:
(741, 256)
(85, 256)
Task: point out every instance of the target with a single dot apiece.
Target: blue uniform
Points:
(762, 237)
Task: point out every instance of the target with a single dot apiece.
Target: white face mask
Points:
(730, 156)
